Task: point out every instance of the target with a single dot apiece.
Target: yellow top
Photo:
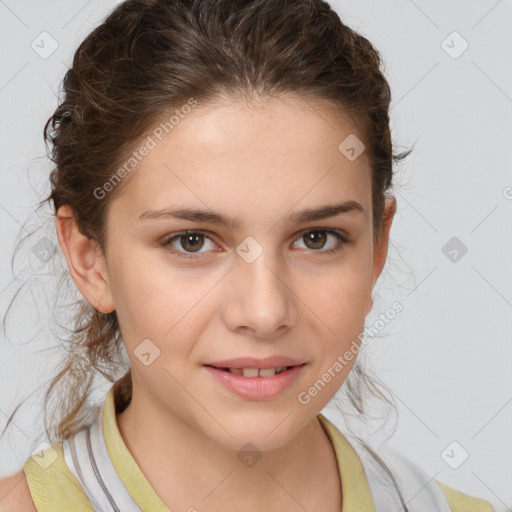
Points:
(55, 489)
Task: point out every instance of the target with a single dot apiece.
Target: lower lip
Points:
(256, 388)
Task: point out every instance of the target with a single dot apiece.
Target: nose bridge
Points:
(258, 265)
(264, 300)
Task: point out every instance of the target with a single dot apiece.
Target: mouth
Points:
(256, 379)
(255, 372)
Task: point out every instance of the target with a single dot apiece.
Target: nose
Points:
(261, 300)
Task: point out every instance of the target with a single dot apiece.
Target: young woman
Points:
(221, 196)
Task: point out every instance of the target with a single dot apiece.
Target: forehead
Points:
(234, 154)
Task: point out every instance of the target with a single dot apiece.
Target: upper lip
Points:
(253, 362)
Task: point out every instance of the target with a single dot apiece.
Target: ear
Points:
(85, 261)
(380, 251)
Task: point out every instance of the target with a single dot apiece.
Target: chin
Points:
(266, 431)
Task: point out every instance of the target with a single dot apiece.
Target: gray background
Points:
(446, 357)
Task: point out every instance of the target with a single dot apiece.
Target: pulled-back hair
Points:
(149, 58)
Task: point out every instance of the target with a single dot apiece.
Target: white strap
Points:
(87, 457)
(420, 492)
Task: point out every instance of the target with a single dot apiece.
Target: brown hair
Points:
(149, 57)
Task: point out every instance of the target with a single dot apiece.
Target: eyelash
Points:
(342, 239)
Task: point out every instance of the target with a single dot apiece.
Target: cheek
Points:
(340, 296)
(339, 311)
(340, 306)
(159, 303)
(145, 301)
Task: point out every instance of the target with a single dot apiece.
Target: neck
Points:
(201, 469)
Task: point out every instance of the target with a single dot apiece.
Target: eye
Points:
(192, 241)
(189, 240)
(316, 238)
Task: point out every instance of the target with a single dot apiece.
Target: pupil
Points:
(189, 238)
(317, 237)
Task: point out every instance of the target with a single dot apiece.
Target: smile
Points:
(256, 383)
(257, 372)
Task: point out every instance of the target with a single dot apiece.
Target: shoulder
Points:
(15, 494)
(52, 485)
(457, 500)
(412, 475)
(460, 502)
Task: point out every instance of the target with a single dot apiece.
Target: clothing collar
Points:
(356, 492)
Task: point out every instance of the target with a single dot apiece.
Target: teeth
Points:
(250, 372)
(255, 372)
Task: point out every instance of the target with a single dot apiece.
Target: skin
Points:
(258, 163)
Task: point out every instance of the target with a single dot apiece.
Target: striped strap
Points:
(87, 458)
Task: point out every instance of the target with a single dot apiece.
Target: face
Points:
(267, 283)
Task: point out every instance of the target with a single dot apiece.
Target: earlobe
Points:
(85, 261)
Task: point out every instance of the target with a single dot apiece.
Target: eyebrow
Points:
(211, 217)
